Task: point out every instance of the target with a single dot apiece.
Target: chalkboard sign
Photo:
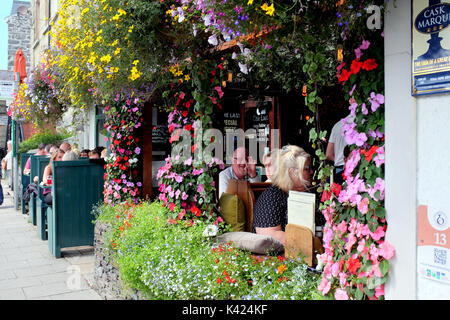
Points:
(160, 134)
(260, 122)
(231, 120)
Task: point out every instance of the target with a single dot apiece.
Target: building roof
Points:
(17, 4)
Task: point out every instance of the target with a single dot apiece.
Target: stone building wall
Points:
(106, 275)
(19, 36)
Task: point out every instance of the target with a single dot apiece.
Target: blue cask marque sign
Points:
(433, 19)
(430, 46)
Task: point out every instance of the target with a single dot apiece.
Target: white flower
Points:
(243, 68)
(213, 40)
(319, 262)
(210, 230)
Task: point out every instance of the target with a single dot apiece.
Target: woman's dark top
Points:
(270, 209)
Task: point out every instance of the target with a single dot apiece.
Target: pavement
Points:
(28, 271)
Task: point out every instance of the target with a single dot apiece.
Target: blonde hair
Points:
(69, 155)
(289, 156)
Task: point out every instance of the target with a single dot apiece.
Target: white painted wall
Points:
(401, 152)
(433, 171)
(417, 159)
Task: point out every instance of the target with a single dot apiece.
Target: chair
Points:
(248, 193)
(300, 242)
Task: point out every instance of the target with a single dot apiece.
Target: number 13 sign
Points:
(433, 244)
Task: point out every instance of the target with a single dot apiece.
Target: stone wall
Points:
(19, 37)
(106, 275)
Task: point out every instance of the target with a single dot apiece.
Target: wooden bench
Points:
(24, 179)
(77, 186)
(38, 164)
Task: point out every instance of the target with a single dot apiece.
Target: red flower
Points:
(172, 206)
(344, 75)
(336, 188)
(369, 64)
(196, 211)
(353, 265)
(188, 127)
(356, 66)
(369, 154)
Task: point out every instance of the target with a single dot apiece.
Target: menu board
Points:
(160, 134)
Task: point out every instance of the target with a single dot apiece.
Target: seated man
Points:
(243, 168)
(40, 152)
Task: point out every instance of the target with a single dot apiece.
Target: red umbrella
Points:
(20, 65)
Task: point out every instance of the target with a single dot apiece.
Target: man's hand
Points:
(251, 167)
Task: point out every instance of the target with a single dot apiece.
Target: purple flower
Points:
(137, 150)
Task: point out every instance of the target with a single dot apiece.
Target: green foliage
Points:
(176, 261)
(46, 137)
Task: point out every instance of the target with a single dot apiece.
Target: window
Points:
(100, 131)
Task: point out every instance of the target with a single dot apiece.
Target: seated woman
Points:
(56, 156)
(293, 173)
(69, 155)
(270, 161)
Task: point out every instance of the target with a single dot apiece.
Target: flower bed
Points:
(166, 260)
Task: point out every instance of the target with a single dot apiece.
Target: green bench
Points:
(77, 186)
(37, 167)
(24, 178)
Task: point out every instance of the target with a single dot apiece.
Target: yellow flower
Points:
(187, 77)
(268, 9)
(250, 2)
(106, 58)
(117, 51)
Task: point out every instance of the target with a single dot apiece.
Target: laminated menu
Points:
(301, 209)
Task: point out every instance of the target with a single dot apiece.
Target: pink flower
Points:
(363, 206)
(219, 91)
(386, 250)
(200, 188)
(378, 234)
(365, 45)
(376, 100)
(340, 294)
(324, 286)
(335, 269)
(342, 279)
(188, 162)
(361, 138)
(379, 158)
(358, 53)
(379, 291)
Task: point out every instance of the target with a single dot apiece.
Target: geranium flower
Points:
(345, 75)
(369, 64)
(355, 66)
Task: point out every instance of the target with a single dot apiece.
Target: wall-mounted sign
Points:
(430, 46)
(6, 90)
(433, 244)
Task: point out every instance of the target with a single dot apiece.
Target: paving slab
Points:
(28, 271)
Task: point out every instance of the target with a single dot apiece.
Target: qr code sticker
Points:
(440, 256)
